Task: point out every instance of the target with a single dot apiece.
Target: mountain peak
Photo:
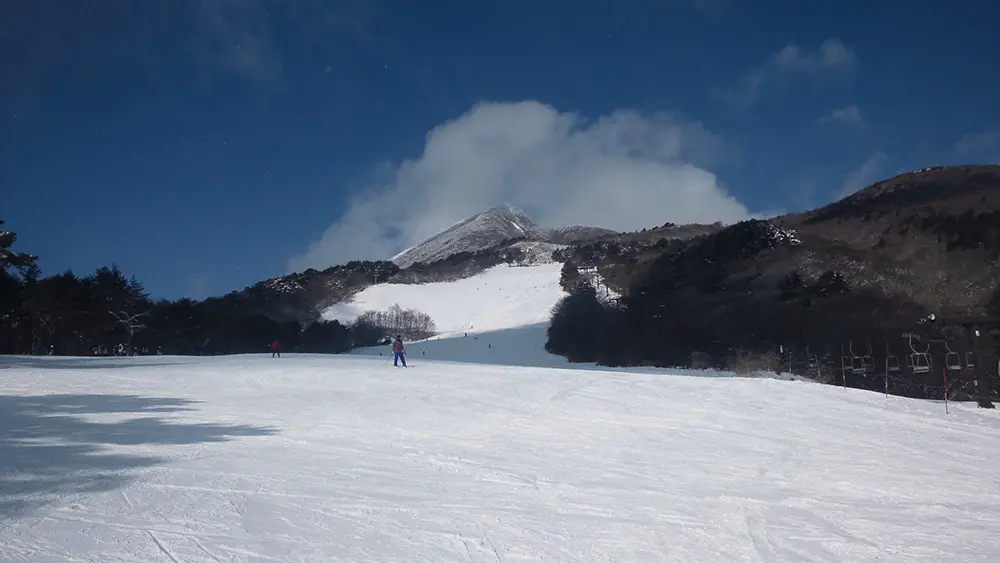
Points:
(490, 228)
(508, 208)
(478, 232)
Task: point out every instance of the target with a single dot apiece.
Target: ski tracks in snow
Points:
(501, 464)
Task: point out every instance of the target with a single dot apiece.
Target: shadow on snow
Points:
(66, 362)
(47, 449)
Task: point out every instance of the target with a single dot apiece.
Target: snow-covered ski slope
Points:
(520, 346)
(310, 458)
(500, 298)
(498, 317)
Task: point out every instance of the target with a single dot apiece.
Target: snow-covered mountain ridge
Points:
(488, 229)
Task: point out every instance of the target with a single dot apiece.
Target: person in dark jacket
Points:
(399, 352)
(275, 349)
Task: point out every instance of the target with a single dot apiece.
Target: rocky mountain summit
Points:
(489, 229)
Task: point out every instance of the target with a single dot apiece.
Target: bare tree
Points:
(409, 323)
(131, 323)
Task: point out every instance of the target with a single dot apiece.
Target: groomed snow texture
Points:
(502, 297)
(344, 458)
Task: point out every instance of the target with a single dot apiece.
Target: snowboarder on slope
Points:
(399, 352)
(275, 349)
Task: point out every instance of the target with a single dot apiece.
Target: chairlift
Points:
(827, 358)
(952, 360)
(970, 361)
(891, 360)
(919, 362)
(857, 362)
(868, 360)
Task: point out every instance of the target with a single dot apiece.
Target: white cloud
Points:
(864, 175)
(623, 171)
(848, 115)
(983, 146)
(781, 68)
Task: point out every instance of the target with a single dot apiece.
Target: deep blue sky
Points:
(200, 145)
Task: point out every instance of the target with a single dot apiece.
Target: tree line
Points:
(107, 313)
(698, 302)
(408, 323)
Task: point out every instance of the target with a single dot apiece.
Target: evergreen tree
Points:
(578, 327)
(568, 276)
(10, 259)
(326, 337)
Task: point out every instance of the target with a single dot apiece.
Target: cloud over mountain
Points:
(623, 171)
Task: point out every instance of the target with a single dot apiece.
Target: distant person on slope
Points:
(399, 353)
(275, 349)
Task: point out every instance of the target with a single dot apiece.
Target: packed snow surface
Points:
(501, 297)
(343, 458)
(522, 346)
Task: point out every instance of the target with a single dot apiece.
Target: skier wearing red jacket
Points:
(275, 349)
(399, 352)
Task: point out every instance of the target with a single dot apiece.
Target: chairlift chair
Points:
(919, 362)
(827, 358)
(952, 361)
(857, 362)
(868, 360)
(891, 360)
(970, 360)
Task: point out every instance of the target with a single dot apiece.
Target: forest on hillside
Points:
(705, 304)
(107, 313)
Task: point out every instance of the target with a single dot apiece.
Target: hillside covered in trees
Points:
(806, 288)
(106, 313)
